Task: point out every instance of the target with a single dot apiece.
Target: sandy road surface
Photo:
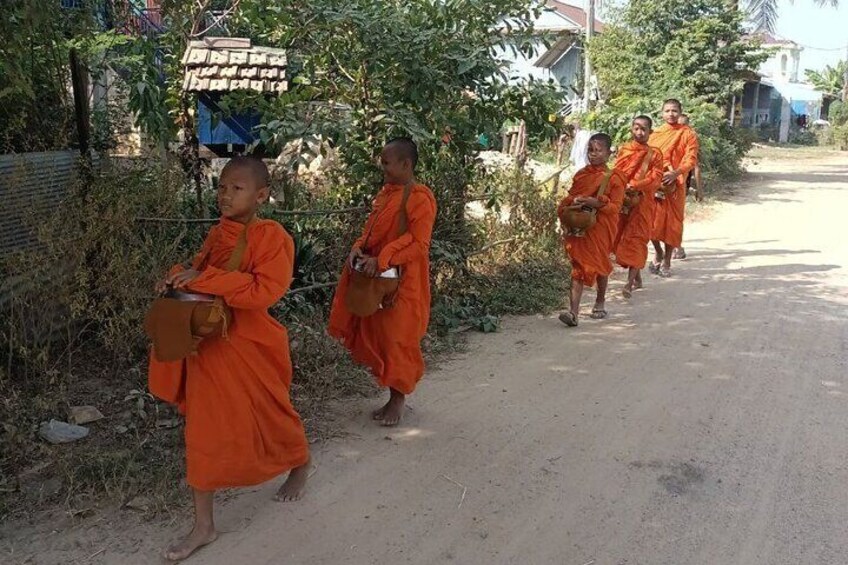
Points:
(705, 423)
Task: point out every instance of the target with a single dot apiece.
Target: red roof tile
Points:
(578, 15)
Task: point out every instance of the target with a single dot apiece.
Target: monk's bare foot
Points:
(654, 266)
(393, 410)
(380, 412)
(292, 488)
(598, 311)
(637, 284)
(627, 291)
(198, 537)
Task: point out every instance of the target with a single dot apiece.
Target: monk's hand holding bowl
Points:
(183, 278)
(354, 257)
(369, 266)
(592, 202)
(669, 177)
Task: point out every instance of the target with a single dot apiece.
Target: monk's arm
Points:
(690, 155)
(614, 197)
(414, 245)
(271, 276)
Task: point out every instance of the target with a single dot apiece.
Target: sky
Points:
(821, 27)
(802, 21)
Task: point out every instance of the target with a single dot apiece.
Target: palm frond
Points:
(763, 14)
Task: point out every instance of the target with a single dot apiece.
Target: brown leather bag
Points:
(578, 221)
(178, 320)
(366, 295)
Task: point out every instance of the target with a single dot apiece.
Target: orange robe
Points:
(590, 255)
(634, 229)
(679, 146)
(241, 428)
(389, 341)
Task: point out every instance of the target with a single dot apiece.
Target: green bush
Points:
(839, 136)
(838, 113)
(803, 137)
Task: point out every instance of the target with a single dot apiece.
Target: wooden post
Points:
(733, 110)
(191, 153)
(79, 83)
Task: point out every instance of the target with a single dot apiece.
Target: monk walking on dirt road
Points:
(395, 241)
(240, 426)
(679, 146)
(598, 190)
(641, 164)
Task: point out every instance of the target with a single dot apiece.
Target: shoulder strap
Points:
(239, 249)
(646, 162)
(403, 223)
(604, 183)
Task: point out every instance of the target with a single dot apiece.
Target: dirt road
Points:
(702, 424)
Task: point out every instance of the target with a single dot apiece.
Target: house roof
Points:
(768, 39)
(575, 14)
(553, 21)
(557, 51)
(225, 64)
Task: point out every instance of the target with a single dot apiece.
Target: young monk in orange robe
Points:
(643, 166)
(389, 341)
(241, 428)
(679, 145)
(693, 180)
(590, 254)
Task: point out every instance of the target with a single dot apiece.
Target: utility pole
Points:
(587, 67)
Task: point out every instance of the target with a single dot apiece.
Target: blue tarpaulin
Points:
(215, 127)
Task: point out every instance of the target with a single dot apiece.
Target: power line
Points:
(840, 48)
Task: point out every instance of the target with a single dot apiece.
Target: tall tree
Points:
(690, 48)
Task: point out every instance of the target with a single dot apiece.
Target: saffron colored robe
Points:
(634, 229)
(590, 255)
(679, 146)
(389, 341)
(241, 428)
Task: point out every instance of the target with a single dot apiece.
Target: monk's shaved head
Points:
(406, 148)
(675, 102)
(649, 123)
(253, 166)
(602, 138)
